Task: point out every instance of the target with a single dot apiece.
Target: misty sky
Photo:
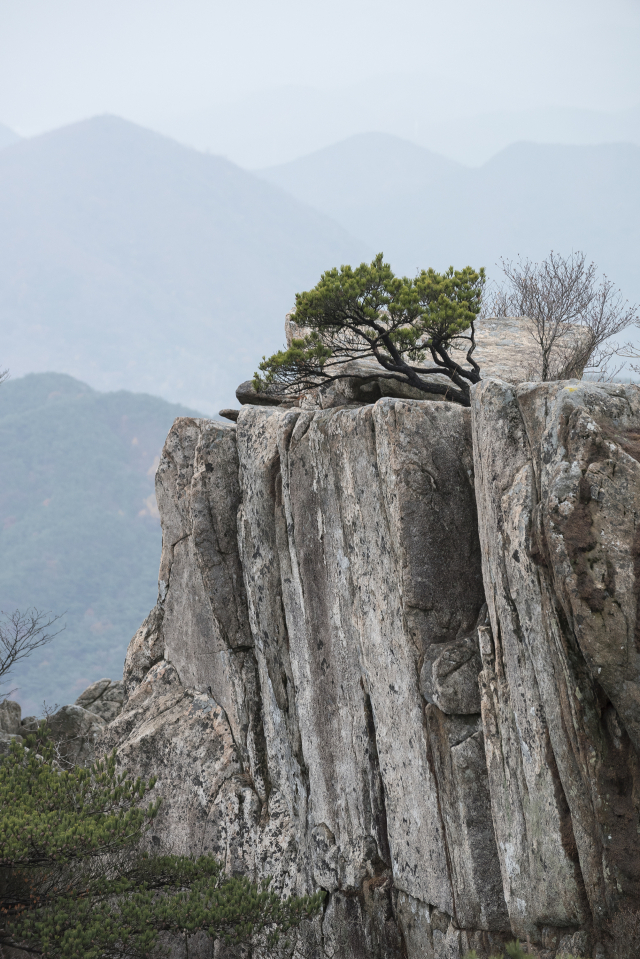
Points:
(153, 60)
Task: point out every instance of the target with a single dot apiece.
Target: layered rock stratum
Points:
(395, 655)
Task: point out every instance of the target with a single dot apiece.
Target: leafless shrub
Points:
(571, 314)
(21, 634)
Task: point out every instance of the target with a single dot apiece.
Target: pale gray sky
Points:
(153, 60)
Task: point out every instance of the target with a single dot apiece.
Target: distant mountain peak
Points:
(7, 137)
(135, 262)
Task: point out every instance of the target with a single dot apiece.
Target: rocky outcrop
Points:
(10, 724)
(505, 347)
(104, 698)
(385, 661)
(73, 729)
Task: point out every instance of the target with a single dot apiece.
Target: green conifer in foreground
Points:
(75, 883)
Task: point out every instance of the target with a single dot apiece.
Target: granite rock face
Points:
(104, 698)
(558, 483)
(385, 661)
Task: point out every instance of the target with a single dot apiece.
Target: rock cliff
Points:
(395, 655)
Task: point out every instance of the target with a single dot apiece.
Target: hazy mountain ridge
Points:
(134, 262)
(279, 125)
(527, 200)
(7, 137)
(79, 530)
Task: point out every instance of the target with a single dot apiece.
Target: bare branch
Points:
(22, 633)
(571, 314)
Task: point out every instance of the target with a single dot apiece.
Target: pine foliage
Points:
(368, 313)
(75, 884)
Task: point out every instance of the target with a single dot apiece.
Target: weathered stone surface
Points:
(114, 693)
(230, 414)
(93, 692)
(10, 718)
(202, 613)
(75, 731)
(107, 711)
(457, 745)
(145, 649)
(304, 630)
(307, 686)
(104, 698)
(558, 501)
(184, 738)
(449, 676)
(505, 348)
(247, 394)
(383, 593)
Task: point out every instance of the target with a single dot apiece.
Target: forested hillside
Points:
(79, 528)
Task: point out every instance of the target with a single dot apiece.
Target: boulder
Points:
(93, 693)
(74, 729)
(247, 394)
(104, 698)
(229, 414)
(10, 718)
(75, 732)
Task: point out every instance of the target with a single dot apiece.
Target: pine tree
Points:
(368, 313)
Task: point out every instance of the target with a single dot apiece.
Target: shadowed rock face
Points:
(325, 697)
(559, 506)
